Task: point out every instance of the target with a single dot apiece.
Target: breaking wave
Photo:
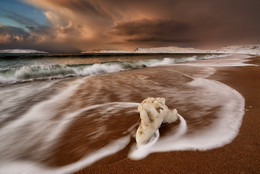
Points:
(45, 72)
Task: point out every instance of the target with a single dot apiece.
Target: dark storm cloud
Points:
(210, 22)
(14, 37)
(154, 31)
(9, 34)
(12, 31)
(40, 30)
(92, 24)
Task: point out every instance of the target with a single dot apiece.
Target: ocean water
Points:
(15, 68)
(59, 114)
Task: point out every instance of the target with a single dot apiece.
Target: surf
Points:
(35, 71)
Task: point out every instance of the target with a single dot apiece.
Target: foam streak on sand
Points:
(50, 130)
(143, 150)
(69, 117)
(37, 131)
(221, 132)
(17, 167)
(38, 124)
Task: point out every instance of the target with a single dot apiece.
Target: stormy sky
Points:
(76, 25)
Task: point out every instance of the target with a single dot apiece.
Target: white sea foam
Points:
(37, 124)
(142, 151)
(100, 69)
(41, 72)
(20, 167)
(12, 96)
(165, 61)
(229, 61)
(46, 131)
(66, 120)
(221, 132)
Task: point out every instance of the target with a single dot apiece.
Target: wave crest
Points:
(45, 72)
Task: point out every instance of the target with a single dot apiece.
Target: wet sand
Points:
(240, 156)
(90, 122)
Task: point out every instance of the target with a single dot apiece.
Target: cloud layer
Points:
(111, 24)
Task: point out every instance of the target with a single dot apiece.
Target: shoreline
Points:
(91, 121)
(239, 156)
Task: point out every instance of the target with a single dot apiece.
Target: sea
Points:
(60, 113)
(16, 68)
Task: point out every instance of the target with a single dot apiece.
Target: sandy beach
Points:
(240, 156)
(88, 124)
